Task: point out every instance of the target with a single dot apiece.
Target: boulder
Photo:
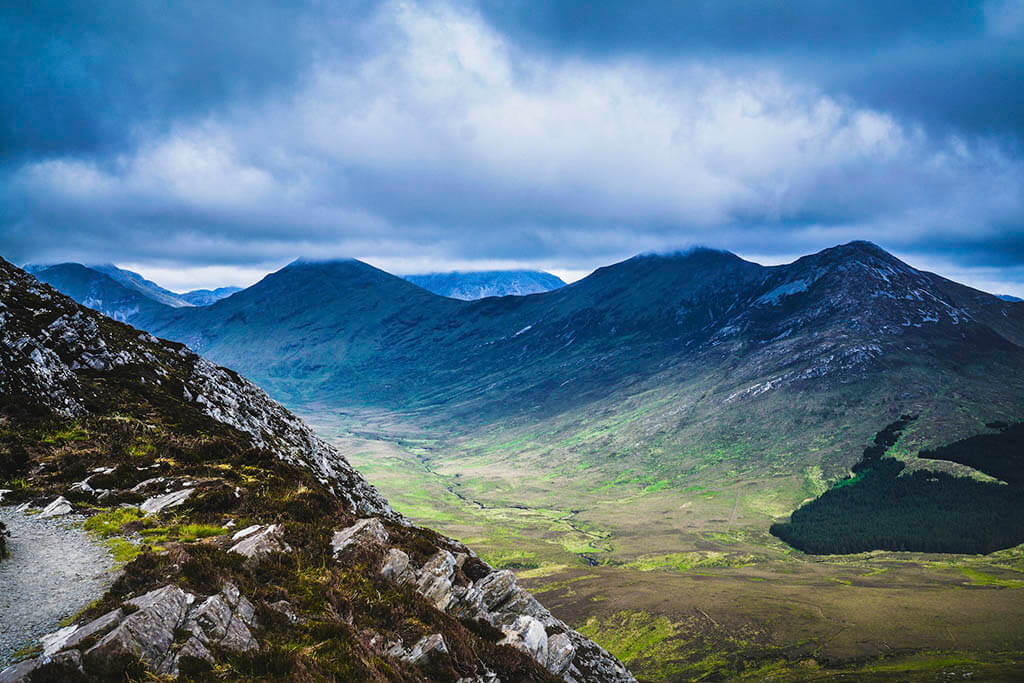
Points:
(59, 506)
(364, 532)
(268, 540)
(222, 620)
(528, 634)
(496, 588)
(73, 635)
(284, 607)
(242, 533)
(61, 666)
(396, 566)
(560, 653)
(435, 580)
(167, 500)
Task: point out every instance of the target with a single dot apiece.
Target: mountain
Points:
(205, 297)
(100, 291)
(250, 544)
(479, 285)
(712, 351)
(1008, 297)
(121, 294)
(709, 338)
(140, 284)
(627, 441)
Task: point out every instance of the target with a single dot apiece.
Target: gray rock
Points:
(285, 608)
(147, 634)
(147, 483)
(97, 626)
(560, 653)
(426, 649)
(222, 620)
(496, 588)
(256, 545)
(167, 500)
(54, 642)
(528, 634)
(59, 506)
(16, 673)
(364, 532)
(396, 566)
(435, 581)
(23, 671)
(242, 533)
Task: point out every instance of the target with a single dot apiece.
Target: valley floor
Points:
(688, 584)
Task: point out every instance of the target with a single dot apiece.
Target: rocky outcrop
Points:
(48, 340)
(496, 598)
(150, 629)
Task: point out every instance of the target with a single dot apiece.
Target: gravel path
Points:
(54, 570)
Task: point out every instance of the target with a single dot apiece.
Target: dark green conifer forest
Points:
(883, 508)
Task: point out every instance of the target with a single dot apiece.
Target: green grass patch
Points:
(633, 634)
(62, 436)
(702, 559)
(106, 524)
(123, 551)
(982, 579)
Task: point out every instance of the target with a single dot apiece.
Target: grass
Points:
(123, 551)
(630, 634)
(691, 560)
(109, 523)
(979, 578)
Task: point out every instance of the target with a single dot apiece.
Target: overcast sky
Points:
(206, 144)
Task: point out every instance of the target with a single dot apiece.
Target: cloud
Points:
(461, 137)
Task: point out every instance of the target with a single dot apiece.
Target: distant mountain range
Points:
(205, 297)
(1009, 297)
(118, 293)
(704, 350)
(479, 285)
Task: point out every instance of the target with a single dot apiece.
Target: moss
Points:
(109, 523)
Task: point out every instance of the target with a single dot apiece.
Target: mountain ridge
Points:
(849, 315)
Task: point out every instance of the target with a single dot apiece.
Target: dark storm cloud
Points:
(93, 77)
(555, 134)
(951, 64)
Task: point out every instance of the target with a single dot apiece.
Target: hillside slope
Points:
(255, 549)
